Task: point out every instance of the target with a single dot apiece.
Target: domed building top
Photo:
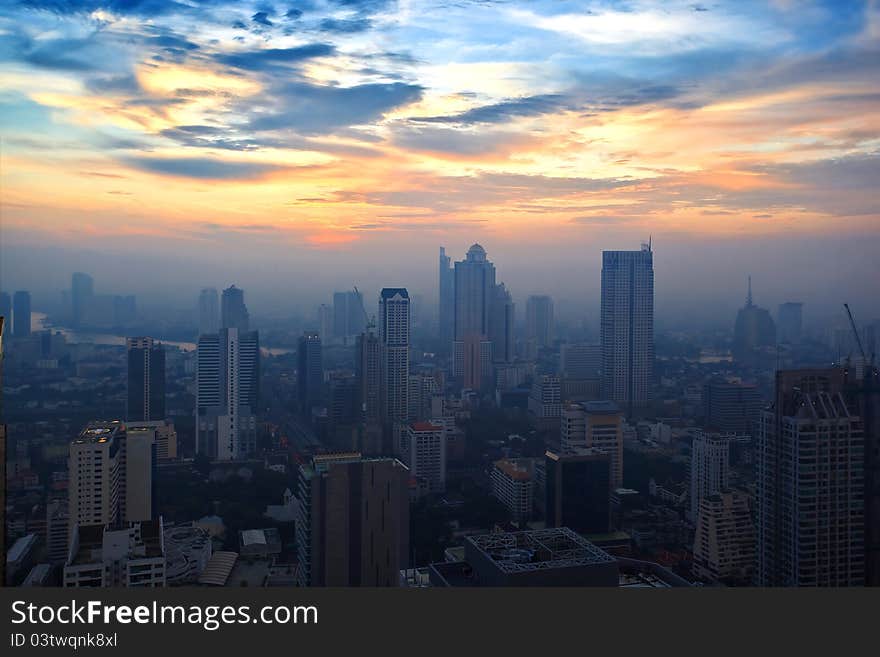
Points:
(476, 252)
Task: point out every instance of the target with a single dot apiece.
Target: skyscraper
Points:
(627, 326)
(146, 380)
(790, 319)
(324, 321)
(424, 450)
(353, 521)
(539, 320)
(368, 372)
(209, 313)
(578, 491)
(811, 483)
(754, 329)
(227, 389)
(233, 312)
(446, 299)
(6, 308)
(474, 290)
(348, 315)
(394, 337)
(710, 468)
(310, 372)
(731, 407)
(82, 291)
(21, 314)
(595, 425)
(724, 540)
(501, 325)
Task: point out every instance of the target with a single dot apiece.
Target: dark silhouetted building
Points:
(146, 380)
(578, 490)
(82, 291)
(209, 312)
(349, 318)
(539, 320)
(310, 372)
(790, 320)
(394, 337)
(446, 299)
(754, 329)
(501, 325)
(21, 314)
(353, 521)
(474, 291)
(731, 407)
(233, 311)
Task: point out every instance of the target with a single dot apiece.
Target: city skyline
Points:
(743, 137)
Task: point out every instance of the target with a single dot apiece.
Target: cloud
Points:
(346, 26)
(310, 109)
(202, 168)
(262, 18)
(270, 58)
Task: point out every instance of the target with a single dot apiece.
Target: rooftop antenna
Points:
(749, 296)
(650, 239)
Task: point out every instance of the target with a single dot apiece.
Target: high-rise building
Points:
(353, 521)
(731, 407)
(724, 541)
(82, 291)
(3, 324)
(474, 292)
(754, 329)
(811, 483)
(581, 361)
(21, 314)
(539, 320)
(578, 491)
(6, 308)
(790, 321)
(227, 389)
(595, 425)
(446, 299)
(394, 337)
(710, 469)
(209, 312)
(368, 372)
(310, 372)
(324, 320)
(163, 435)
(424, 451)
(513, 485)
(627, 326)
(545, 401)
(146, 380)
(501, 325)
(348, 315)
(111, 476)
(233, 311)
(57, 531)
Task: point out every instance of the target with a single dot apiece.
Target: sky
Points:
(299, 147)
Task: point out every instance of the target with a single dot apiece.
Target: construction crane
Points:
(368, 323)
(852, 323)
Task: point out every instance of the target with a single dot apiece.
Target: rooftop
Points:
(539, 549)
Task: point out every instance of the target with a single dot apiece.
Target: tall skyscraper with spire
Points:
(627, 326)
(754, 328)
(233, 312)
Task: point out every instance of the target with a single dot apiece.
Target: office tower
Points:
(424, 451)
(545, 401)
(513, 485)
(209, 312)
(731, 407)
(710, 469)
(163, 435)
(227, 389)
(146, 380)
(349, 317)
(581, 361)
(539, 320)
(6, 307)
(595, 425)
(140, 473)
(724, 541)
(446, 299)
(811, 483)
(57, 531)
(21, 314)
(627, 326)
(578, 491)
(233, 311)
(325, 320)
(501, 326)
(422, 389)
(94, 470)
(352, 524)
(368, 371)
(82, 291)
(128, 557)
(754, 329)
(474, 291)
(310, 372)
(790, 320)
(394, 338)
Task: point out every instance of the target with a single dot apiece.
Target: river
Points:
(39, 322)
